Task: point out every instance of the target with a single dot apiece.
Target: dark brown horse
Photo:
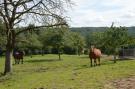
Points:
(18, 55)
(94, 54)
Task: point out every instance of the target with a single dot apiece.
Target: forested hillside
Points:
(87, 30)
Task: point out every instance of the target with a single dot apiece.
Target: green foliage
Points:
(62, 38)
(94, 38)
(53, 37)
(131, 41)
(75, 40)
(114, 38)
(33, 42)
(89, 30)
(93, 35)
(28, 41)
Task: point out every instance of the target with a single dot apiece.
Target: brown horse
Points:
(94, 54)
(18, 55)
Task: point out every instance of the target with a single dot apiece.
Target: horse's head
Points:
(92, 48)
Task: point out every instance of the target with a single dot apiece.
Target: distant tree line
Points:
(62, 40)
(42, 41)
(68, 41)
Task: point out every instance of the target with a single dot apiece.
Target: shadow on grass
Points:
(85, 66)
(82, 67)
(1, 74)
(43, 60)
(111, 62)
(4, 77)
(89, 65)
(107, 63)
(126, 59)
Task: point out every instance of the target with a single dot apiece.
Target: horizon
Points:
(99, 26)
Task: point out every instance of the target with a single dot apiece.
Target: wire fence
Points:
(125, 53)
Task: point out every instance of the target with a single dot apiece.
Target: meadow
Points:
(72, 72)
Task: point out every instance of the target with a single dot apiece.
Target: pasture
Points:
(72, 72)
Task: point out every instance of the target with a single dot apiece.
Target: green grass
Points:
(73, 72)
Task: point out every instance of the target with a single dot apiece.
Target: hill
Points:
(87, 30)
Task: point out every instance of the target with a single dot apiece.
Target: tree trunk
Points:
(59, 56)
(79, 53)
(42, 52)
(9, 49)
(8, 61)
(31, 53)
(114, 58)
(59, 52)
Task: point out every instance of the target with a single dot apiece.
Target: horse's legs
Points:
(22, 60)
(15, 61)
(91, 62)
(99, 61)
(95, 62)
(18, 60)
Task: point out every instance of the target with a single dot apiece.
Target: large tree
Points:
(41, 13)
(114, 38)
(54, 38)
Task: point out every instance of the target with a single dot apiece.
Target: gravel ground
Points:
(126, 83)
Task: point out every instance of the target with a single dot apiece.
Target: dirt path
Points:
(126, 83)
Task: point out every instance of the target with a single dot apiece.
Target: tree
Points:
(94, 38)
(54, 38)
(41, 13)
(76, 41)
(57, 42)
(131, 40)
(114, 38)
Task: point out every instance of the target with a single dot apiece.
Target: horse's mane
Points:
(92, 48)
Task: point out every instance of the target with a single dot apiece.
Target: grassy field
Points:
(73, 72)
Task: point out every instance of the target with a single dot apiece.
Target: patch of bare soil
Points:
(126, 83)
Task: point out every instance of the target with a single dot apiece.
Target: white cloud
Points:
(102, 13)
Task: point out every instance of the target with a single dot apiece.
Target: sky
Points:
(100, 13)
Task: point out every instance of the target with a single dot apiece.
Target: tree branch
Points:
(26, 11)
(4, 18)
(19, 20)
(21, 3)
(6, 10)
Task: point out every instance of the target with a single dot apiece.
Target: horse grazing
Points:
(18, 55)
(94, 54)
